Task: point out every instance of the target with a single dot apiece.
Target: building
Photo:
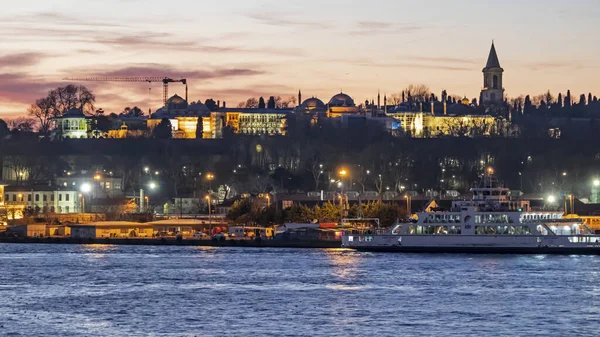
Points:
(312, 105)
(72, 124)
(102, 185)
(493, 91)
(40, 199)
(184, 117)
(247, 121)
(111, 229)
(128, 127)
(341, 104)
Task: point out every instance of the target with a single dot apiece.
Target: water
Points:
(100, 290)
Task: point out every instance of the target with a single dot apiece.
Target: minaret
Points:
(385, 104)
(299, 97)
(378, 100)
(493, 91)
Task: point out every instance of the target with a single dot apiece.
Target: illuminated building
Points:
(72, 124)
(341, 104)
(184, 117)
(245, 121)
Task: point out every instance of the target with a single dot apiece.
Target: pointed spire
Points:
(492, 61)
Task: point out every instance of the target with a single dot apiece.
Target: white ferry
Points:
(490, 223)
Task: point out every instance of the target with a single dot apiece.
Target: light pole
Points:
(408, 210)
(85, 188)
(343, 173)
(208, 201)
(595, 191)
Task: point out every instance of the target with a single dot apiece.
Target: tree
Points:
(271, 103)
(132, 112)
(527, 105)
(163, 130)
(590, 98)
(250, 103)
(72, 97)
(3, 129)
(43, 111)
(211, 104)
(568, 99)
(582, 99)
(418, 92)
(261, 103)
(21, 124)
(559, 101)
(395, 99)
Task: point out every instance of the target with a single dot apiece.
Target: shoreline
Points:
(174, 242)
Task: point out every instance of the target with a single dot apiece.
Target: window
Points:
(59, 197)
(52, 198)
(67, 197)
(67, 208)
(495, 82)
(45, 197)
(14, 197)
(37, 197)
(29, 197)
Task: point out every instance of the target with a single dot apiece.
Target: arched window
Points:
(495, 80)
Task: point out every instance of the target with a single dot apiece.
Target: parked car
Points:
(200, 235)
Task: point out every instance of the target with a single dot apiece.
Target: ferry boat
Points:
(491, 222)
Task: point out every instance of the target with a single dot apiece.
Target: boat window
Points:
(454, 230)
(486, 192)
(441, 230)
(412, 230)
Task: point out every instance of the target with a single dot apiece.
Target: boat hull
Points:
(482, 250)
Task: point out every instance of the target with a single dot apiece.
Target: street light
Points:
(408, 210)
(152, 185)
(210, 177)
(209, 214)
(85, 188)
(551, 199)
(146, 169)
(596, 183)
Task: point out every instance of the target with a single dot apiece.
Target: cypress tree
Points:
(261, 103)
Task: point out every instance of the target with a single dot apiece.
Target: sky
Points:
(230, 50)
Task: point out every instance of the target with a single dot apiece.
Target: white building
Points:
(42, 199)
(72, 124)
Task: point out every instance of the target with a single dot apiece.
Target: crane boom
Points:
(165, 81)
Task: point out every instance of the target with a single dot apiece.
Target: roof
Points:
(341, 99)
(72, 113)
(282, 111)
(492, 61)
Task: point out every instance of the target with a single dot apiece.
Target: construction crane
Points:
(165, 81)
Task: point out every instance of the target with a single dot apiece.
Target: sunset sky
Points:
(231, 49)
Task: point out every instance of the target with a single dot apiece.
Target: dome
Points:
(176, 103)
(341, 99)
(466, 101)
(312, 104)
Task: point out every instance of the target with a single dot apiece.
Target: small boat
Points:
(490, 223)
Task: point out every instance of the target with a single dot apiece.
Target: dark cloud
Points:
(24, 88)
(20, 60)
(161, 70)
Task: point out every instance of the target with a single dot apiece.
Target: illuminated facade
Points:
(245, 121)
(425, 125)
(184, 117)
(72, 124)
(341, 104)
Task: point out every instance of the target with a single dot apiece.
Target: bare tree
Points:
(418, 92)
(43, 111)
(22, 124)
(250, 103)
(395, 99)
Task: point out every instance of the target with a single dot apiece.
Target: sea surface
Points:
(105, 290)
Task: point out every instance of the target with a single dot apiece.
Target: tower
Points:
(378, 100)
(493, 91)
(299, 98)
